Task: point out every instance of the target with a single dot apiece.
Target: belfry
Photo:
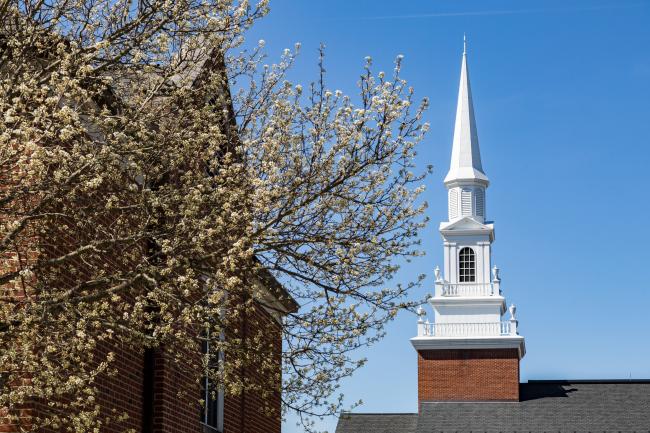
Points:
(470, 352)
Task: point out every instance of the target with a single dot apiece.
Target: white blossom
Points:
(175, 190)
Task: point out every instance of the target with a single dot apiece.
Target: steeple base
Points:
(468, 375)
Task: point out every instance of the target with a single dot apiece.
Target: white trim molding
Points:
(497, 342)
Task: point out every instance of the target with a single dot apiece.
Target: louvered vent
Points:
(453, 204)
(480, 202)
(466, 201)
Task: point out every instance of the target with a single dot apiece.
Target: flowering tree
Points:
(140, 198)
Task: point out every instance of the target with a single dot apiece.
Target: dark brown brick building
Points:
(160, 394)
(148, 384)
(157, 392)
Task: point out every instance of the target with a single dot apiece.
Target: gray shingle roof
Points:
(545, 406)
(377, 423)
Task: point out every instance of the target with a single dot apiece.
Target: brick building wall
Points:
(174, 401)
(175, 388)
(468, 375)
(139, 370)
(122, 392)
(246, 413)
(176, 393)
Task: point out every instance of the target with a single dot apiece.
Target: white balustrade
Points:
(468, 289)
(488, 329)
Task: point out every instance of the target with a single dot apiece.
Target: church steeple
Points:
(465, 154)
(469, 352)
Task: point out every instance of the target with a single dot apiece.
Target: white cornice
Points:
(466, 223)
(466, 301)
(438, 343)
(466, 226)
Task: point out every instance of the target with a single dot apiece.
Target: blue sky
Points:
(561, 92)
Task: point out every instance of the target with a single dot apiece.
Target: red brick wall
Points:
(245, 413)
(468, 375)
(175, 405)
(176, 393)
(123, 392)
(176, 390)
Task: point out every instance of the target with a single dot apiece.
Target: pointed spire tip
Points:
(465, 155)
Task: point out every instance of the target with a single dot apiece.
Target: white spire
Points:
(465, 154)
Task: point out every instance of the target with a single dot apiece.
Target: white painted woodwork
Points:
(467, 313)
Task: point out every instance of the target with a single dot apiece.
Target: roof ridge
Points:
(587, 381)
(378, 413)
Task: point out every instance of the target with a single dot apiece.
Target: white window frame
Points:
(208, 428)
(467, 265)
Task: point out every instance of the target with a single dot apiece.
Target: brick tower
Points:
(469, 353)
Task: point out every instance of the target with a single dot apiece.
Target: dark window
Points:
(4, 376)
(467, 265)
(148, 390)
(212, 410)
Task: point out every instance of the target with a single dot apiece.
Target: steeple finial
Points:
(464, 44)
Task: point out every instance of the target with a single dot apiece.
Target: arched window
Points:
(467, 265)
